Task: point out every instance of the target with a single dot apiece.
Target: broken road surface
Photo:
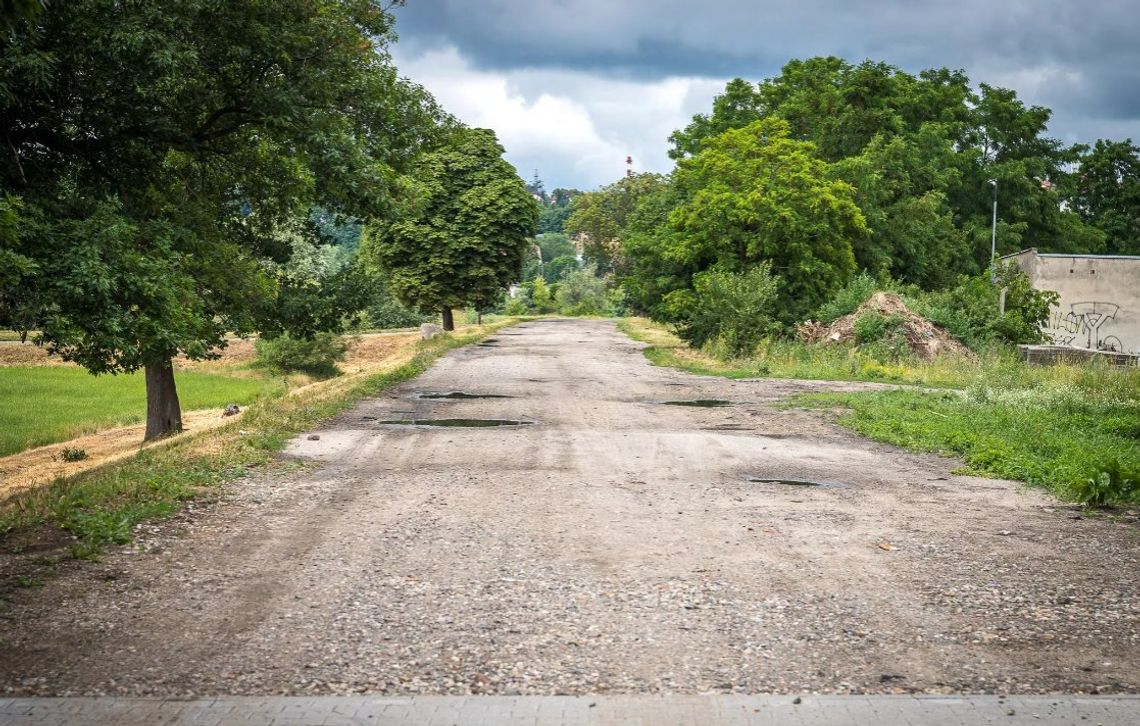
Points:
(599, 542)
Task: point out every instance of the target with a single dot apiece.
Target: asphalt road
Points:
(610, 544)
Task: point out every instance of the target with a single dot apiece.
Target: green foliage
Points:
(872, 326)
(159, 150)
(730, 312)
(739, 106)
(316, 356)
(756, 194)
(919, 151)
(1108, 194)
(319, 289)
(559, 267)
(541, 297)
(552, 219)
(849, 297)
(602, 216)
(1110, 486)
(72, 453)
(385, 311)
(970, 310)
(554, 245)
(997, 428)
(582, 292)
(464, 231)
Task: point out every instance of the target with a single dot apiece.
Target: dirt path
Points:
(616, 545)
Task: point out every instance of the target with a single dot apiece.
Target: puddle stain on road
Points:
(459, 395)
(464, 423)
(797, 482)
(701, 403)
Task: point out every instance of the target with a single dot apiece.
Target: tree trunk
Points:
(448, 319)
(163, 414)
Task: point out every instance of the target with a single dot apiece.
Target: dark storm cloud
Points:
(1081, 58)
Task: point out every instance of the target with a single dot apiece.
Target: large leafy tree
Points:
(738, 106)
(160, 147)
(920, 150)
(1108, 194)
(464, 228)
(754, 195)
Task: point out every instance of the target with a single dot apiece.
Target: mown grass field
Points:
(1071, 429)
(47, 404)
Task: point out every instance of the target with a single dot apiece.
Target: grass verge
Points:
(46, 404)
(1080, 445)
(102, 507)
(1071, 429)
(793, 359)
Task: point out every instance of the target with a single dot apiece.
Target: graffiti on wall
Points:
(1086, 325)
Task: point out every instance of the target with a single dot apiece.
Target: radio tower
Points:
(629, 166)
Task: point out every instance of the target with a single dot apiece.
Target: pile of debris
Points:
(926, 339)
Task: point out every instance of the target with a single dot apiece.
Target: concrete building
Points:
(1100, 298)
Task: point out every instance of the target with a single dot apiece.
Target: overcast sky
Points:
(573, 86)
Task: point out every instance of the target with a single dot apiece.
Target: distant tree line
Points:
(831, 168)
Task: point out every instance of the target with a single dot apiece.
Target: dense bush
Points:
(388, 312)
(848, 299)
(316, 356)
(730, 312)
(582, 292)
(970, 310)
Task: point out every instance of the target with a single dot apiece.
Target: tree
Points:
(755, 195)
(555, 244)
(582, 292)
(464, 228)
(159, 149)
(738, 106)
(1108, 194)
(600, 216)
(560, 266)
(730, 311)
(901, 184)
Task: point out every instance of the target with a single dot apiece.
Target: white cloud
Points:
(574, 127)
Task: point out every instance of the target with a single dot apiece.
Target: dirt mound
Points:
(926, 339)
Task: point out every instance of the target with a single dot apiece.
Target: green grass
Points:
(102, 507)
(794, 359)
(1071, 429)
(47, 404)
(1058, 437)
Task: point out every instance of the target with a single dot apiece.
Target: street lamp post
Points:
(993, 236)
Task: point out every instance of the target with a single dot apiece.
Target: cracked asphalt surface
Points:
(612, 544)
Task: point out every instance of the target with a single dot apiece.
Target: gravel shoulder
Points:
(614, 545)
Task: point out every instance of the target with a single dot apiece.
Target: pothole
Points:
(798, 483)
(460, 395)
(701, 403)
(462, 423)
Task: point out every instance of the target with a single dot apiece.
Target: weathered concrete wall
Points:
(1100, 298)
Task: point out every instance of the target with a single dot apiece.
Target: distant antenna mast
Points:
(629, 166)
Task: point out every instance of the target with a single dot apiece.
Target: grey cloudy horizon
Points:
(573, 86)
